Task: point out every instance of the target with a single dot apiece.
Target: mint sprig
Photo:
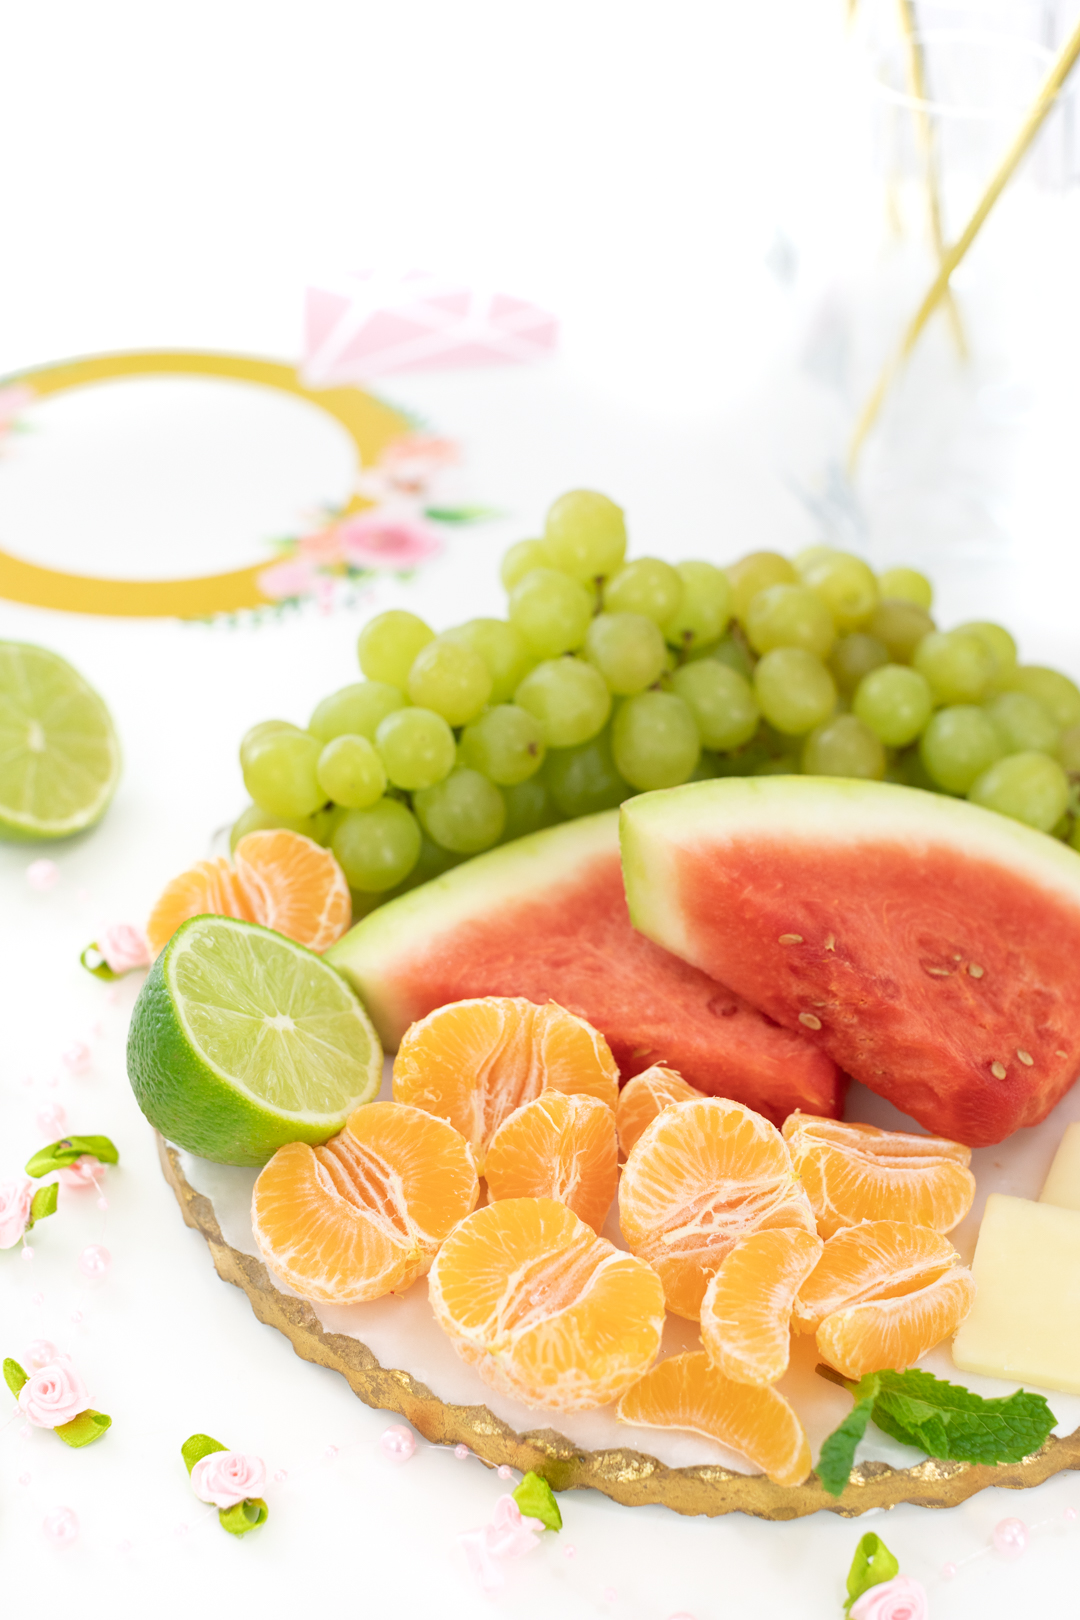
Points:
(944, 1420)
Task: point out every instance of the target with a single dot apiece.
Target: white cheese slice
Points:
(1062, 1185)
(1025, 1323)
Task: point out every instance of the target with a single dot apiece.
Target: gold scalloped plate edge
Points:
(630, 1477)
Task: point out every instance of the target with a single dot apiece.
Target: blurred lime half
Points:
(59, 754)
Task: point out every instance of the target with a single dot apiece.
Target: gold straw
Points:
(1044, 101)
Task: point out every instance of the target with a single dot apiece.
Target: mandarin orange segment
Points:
(876, 1260)
(557, 1146)
(364, 1215)
(294, 886)
(547, 1311)
(856, 1173)
(746, 1312)
(687, 1392)
(896, 1332)
(700, 1177)
(475, 1062)
(207, 887)
(643, 1097)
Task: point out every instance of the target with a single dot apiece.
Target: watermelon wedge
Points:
(930, 947)
(545, 917)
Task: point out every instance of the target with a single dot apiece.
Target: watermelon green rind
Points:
(929, 946)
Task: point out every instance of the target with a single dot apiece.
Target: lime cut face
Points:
(59, 754)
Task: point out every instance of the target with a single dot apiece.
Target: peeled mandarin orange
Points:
(474, 1062)
(643, 1097)
(364, 1215)
(206, 887)
(294, 886)
(546, 1310)
(557, 1147)
(746, 1312)
(896, 1332)
(687, 1392)
(876, 1260)
(700, 1177)
(858, 1173)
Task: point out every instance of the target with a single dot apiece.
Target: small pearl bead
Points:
(1069, 1515)
(608, 1595)
(61, 1526)
(95, 1261)
(397, 1443)
(504, 1472)
(28, 1253)
(1010, 1538)
(76, 1316)
(330, 1453)
(24, 1479)
(43, 875)
(37, 1299)
(52, 1119)
(281, 1476)
(181, 1529)
(25, 1432)
(461, 1452)
(948, 1572)
(103, 1203)
(77, 1058)
(569, 1552)
(41, 1352)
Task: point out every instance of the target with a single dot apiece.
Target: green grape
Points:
(647, 585)
(503, 649)
(279, 773)
(754, 573)
(451, 679)
(416, 747)
(997, 638)
(721, 701)
(906, 585)
(910, 771)
(529, 808)
(794, 690)
(1058, 695)
(585, 535)
(1022, 723)
(568, 697)
(627, 649)
(732, 651)
(654, 740)
(376, 848)
(901, 626)
(351, 773)
(506, 744)
(355, 711)
(1030, 787)
(707, 767)
(464, 813)
(389, 643)
(583, 781)
(959, 666)
(552, 612)
(1068, 750)
(705, 610)
(853, 657)
(521, 559)
(895, 703)
(789, 616)
(324, 821)
(255, 820)
(810, 556)
(958, 745)
(843, 746)
(847, 587)
(256, 735)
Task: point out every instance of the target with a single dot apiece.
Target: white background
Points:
(173, 175)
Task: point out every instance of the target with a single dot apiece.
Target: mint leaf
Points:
(946, 1420)
(536, 1500)
(838, 1452)
(872, 1564)
(243, 1516)
(58, 1155)
(198, 1446)
(84, 1429)
(14, 1376)
(43, 1203)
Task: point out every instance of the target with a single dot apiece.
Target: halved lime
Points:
(241, 1040)
(59, 755)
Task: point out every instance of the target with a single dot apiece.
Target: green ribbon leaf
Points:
(460, 514)
(84, 1429)
(838, 1452)
(198, 1446)
(58, 1155)
(43, 1203)
(93, 961)
(536, 1500)
(243, 1516)
(14, 1376)
(872, 1564)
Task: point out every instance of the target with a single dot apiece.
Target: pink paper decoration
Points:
(373, 322)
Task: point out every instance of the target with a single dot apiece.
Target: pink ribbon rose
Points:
(227, 1477)
(53, 1396)
(124, 948)
(15, 1201)
(84, 1172)
(898, 1599)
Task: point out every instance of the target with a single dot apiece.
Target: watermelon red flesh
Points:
(930, 947)
(546, 918)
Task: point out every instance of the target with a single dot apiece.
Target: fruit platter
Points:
(634, 1038)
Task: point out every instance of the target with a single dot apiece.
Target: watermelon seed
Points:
(998, 1071)
(939, 973)
(975, 971)
(1061, 1054)
(830, 943)
(791, 939)
(1026, 1057)
(809, 1020)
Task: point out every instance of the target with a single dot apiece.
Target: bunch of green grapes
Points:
(609, 678)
